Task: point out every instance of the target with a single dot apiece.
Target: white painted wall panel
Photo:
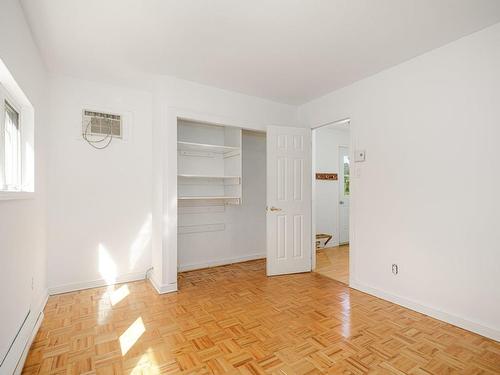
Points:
(427, 197)
(100, 200)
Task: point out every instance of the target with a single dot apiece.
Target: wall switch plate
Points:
(359, 155)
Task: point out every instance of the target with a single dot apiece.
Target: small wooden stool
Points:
(322, 236)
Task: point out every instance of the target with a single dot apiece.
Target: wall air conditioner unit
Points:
(101, 124)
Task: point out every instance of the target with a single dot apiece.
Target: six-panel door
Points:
(288, 200)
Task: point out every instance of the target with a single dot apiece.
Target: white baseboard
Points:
(468, 325)
(24, 355)
(162, 289)
(221, 262)
(14, 361)
(96, 283)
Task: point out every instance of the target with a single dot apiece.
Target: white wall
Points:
(326, 193)
(100, 210)
(22, 222)
(427, 196)
(223, 106)
(108, 207)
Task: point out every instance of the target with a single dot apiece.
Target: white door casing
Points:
(344, 201)
(288, 200)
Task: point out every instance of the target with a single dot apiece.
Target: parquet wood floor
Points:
(333, 262)
(235, 320)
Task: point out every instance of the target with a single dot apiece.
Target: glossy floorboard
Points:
(333, 262)
(235, 320)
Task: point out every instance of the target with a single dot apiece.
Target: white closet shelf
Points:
(217, 149)
(206, 198)
(206, 176)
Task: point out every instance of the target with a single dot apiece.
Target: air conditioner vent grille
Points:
(101, 124)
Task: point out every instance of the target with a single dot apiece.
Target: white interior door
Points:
(344, 192)
(289, 238)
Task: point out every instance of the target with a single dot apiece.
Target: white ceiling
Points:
(286, 50)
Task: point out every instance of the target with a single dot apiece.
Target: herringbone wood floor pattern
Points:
(235, 320)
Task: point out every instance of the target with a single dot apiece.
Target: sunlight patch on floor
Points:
(119, 294)
(104, 307)
(147, 364)
(131, 335)
(108, 299)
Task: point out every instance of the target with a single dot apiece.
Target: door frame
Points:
(165, 238)
(352, 243)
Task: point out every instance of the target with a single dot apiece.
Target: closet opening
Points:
(221, 191)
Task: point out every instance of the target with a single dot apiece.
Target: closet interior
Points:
(221, 195)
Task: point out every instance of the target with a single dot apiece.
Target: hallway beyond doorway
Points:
(333, 262)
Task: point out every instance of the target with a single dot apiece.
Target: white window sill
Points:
(12, 195)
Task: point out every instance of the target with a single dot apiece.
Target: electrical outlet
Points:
(395, 269)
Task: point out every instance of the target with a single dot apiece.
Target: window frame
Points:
(19, 191)
(7, 102)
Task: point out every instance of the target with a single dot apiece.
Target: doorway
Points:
(332, 165)
(221, 186)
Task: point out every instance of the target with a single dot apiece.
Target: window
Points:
(17, 136)
(346, 175)
(10, 133)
